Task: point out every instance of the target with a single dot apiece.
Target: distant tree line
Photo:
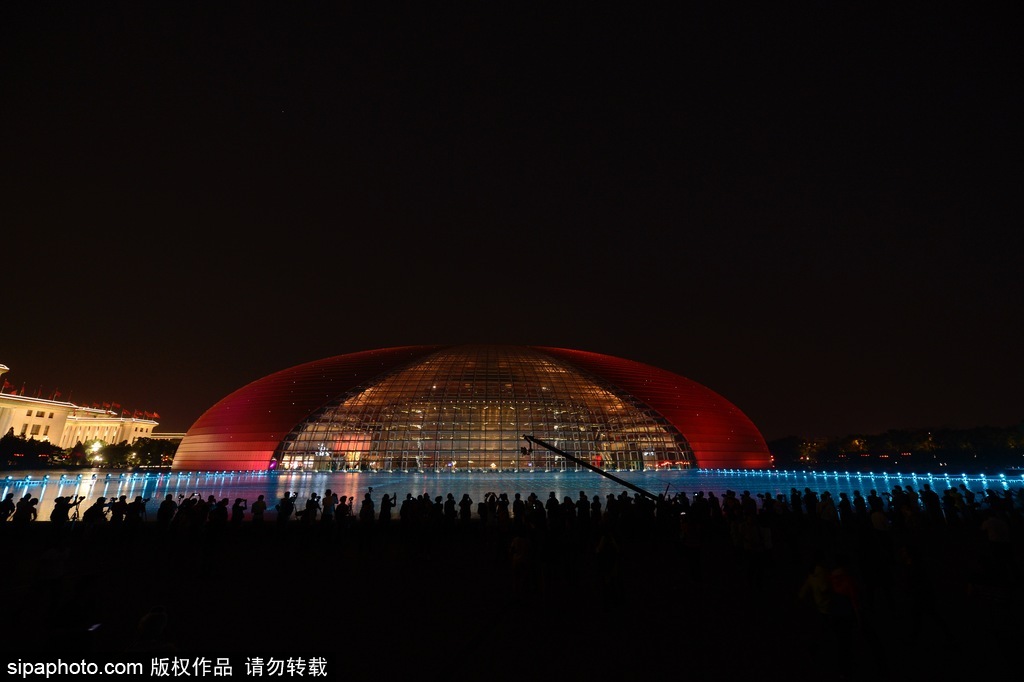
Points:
(982, 448)
(18, 452)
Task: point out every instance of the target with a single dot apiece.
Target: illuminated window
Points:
(35, 429)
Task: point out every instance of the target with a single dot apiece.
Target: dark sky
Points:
(812, 210)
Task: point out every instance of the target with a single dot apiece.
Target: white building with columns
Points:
(64, 424)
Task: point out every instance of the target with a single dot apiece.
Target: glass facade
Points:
(467, 408)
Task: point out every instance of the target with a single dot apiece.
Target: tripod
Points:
(74, 512)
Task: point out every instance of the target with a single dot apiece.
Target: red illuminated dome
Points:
(437, 408)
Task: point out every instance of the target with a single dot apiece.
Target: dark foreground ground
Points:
(450, 602)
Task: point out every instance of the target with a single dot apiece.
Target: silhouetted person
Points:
(518, 512)
(186, 519)
(203, 508)
(367, 518)
(860, 509)
(553, 511)
(810, 500)
(238, 511)
(875, 503)
(25, 510)
(343, 513)
(285, 508)
(7, 507)
(407, 512)
(932, 504)
(451, 512)
(715, 507)
(258, 509)
(845, 509)
(970, 501)
(96, 513)
(367, 510)
(484, 508)
(913, 499)
(583, 511)
(502, 514)
(465, 508)
(60, 514)
(387, 503)
(536, 517)
(166, 511)
(951, 505)
(311, 509)
(136, 512)
(118, 508)
(796, 504)
(827, 512)
(218, 516)
(896, 507)
(329, 503)
(437, 512)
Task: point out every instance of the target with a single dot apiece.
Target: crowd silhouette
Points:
(840, 571)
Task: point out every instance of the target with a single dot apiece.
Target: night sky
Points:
(812, 210)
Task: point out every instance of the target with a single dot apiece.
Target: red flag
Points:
(7, 385)
(124, 412)
(115, 406)
(106, 406)
(56, 394)
(156, 415)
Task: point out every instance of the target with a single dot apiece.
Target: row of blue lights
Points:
(730, 472)
(183, 474)
(837, 474)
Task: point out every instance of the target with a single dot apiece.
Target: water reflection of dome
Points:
(466, 408)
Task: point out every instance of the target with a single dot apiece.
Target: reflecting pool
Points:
(153, 486)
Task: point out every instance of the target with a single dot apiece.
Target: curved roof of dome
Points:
(250, 428)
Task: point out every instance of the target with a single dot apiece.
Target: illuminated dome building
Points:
(441, 408)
